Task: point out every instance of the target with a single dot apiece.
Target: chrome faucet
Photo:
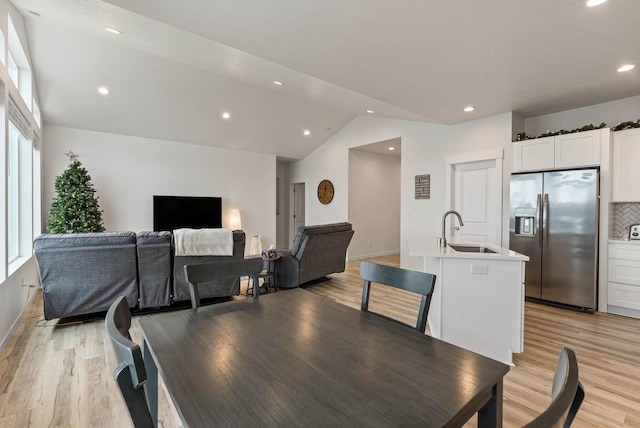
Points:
(442, 242)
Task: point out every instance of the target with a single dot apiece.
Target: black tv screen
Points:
(194, 212)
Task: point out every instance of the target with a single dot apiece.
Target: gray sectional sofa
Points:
(83, 273)
(317, 251)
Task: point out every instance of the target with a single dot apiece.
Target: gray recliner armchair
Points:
(317, 251)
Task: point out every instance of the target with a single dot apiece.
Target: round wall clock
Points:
(325, 191)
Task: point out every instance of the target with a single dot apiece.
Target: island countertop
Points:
(426, 246)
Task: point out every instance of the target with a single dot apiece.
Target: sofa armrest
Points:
(287, 270)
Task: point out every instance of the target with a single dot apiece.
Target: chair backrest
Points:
(567, 394)
(220, 269)
(130, 374)
(416, 282)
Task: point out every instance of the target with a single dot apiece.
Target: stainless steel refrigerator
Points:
(554, 221)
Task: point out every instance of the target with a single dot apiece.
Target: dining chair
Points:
(567, 394)
(221, 269)
(409, 280)
(130, 374)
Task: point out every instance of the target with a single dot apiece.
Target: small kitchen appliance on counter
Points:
(634, 232)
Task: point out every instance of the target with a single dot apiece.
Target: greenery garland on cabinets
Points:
(75, 207)
(626, 125)
(621, 126)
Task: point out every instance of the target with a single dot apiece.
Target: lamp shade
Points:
(235, 222)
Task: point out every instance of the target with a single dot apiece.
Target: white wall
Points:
(374, 203)
(424, 148)
(14, 298)
(127, 171)
(611, 113)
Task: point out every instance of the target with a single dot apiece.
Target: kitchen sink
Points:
(471, 249)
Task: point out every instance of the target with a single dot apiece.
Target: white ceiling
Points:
(179, 65)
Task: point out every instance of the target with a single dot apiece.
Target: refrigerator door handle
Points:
(537, 234)
(545, 220)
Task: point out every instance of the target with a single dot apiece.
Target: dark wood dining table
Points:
(294, 358)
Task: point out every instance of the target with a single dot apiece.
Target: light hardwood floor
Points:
(60, 375)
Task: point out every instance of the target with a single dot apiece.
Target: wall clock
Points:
(325, 191)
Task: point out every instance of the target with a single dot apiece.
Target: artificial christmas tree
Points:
(75, 208)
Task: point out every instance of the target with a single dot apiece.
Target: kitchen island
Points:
(478, 301)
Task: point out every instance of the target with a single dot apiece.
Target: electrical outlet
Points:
(480, 269)
(29, 285)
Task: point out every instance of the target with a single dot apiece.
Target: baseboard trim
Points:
(368, 256)
(19, 318)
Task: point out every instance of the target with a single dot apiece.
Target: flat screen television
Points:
(194, 212)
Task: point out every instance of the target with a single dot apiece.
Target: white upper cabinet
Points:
(625, 171)
(580, 149)
(533, 155)
(577, 150)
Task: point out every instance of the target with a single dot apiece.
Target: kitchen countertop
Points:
(624, 241)
(427, 247)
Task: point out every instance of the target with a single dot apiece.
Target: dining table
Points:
(295, 358)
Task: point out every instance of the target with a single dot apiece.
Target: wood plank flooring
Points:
(60, 375)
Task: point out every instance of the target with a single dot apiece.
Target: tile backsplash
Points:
(623, 215)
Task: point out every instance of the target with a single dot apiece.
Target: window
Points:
(36, 113)
(13, 195)
(19, 194)
(14, 71)
(18, 66)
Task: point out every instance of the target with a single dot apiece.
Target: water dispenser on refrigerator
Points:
(525, 221)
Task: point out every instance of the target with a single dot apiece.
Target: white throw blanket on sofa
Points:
(203, 242)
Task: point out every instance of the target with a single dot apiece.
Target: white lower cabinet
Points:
(624, 278)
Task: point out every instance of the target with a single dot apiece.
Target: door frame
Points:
(290, 222)
(495, 155)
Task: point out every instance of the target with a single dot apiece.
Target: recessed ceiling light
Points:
(277, 82)
(592, 3)
(226, 115)
(468, 109)
(392, 148)
(111, 30)
(103, 90)
(626, 67)
(307, 132)
(370, 111)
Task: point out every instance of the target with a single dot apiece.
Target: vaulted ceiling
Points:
(177, 66)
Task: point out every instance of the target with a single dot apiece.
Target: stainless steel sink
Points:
(471, 248)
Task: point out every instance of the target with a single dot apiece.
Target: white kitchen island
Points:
(478, 301)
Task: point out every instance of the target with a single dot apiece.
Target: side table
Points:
(267, 275)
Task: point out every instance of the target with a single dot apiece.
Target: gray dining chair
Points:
(221, 269)
(130, 374)
(416, 282)
(567, 394)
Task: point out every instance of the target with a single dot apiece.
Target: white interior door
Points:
(475, 190)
